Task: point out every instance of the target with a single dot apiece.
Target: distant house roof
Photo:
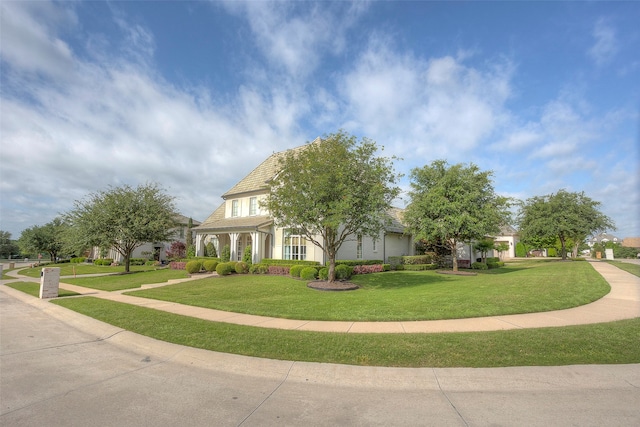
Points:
(507, 230)
(258, 178)
(396, 225)
(631, 242)
(185, 220)
(604, 237)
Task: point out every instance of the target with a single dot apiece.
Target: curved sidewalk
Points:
(622, 302)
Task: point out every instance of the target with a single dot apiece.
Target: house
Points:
(152, 250)
(240, 222)
(603, 238)
(507, 235)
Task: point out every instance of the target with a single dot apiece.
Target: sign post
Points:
(49, 282)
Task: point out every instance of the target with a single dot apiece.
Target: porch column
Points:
(256, 244)
(233, 246)
(199, 244)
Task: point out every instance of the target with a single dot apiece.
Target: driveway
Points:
(58, 367)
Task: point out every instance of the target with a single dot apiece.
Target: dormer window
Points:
(234, 208)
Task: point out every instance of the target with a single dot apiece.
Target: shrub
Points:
(193, 267)
(103, 261)
(246, 257)
(242, 267)
(395, 262)
(386, 267)
(552, 252)
(417, 259)
(354, 262)
(137, 261)
(494, 264)
(366, 269)
(288, 262)
(78, 260)
(295, 270)
(176, 251)
(210, 250)
(259, 269)
(279, 269)
(177, 265)
(210, 265)
(521, 250)
(225, 268)
(323, 274)
(308, 273)
(419, 267)
(479, 266)
(343, 272)
(225, 256)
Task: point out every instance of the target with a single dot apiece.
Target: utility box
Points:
(49, 282)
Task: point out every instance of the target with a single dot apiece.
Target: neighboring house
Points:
(153, 250)
(631, 242)
(467, 255)
(603, 238)
(240, 222)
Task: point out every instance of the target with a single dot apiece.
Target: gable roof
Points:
(258, 178)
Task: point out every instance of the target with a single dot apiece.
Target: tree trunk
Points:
(563, 248)
(454, 254)
(127, 262)
(332, 267)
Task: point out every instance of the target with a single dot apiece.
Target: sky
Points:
(194, 95)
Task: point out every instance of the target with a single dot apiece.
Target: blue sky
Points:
(194, 95)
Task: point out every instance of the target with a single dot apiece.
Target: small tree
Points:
(189, 237)
(501, 247)
(176, 251)
(211, 250)
(454, 204)
(7, 246)
(248, 254)
(124, 218)
(225, 255)
(521, 250)
(332, 189)
(484, 246)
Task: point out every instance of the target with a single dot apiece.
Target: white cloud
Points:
(605, 45)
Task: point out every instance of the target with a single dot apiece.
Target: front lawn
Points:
(33, 288)
(627, 266)
(127, 281)
(522, 287)
(69, 269)
(603, 343)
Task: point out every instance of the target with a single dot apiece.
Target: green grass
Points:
(127, 281)
(67, 269)
(628, 267)
(402, 295)
(33, 289)
(605, 343)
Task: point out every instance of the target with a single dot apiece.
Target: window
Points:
(234, 208)
(295, 245)
(253, 206)
(359, 247)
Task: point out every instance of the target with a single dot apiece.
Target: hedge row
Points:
(354, 262)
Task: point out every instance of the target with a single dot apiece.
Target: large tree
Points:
(564, 216)
(332, 189)
(48, 238)
(124, 218)
(454, 204)
(7, 246)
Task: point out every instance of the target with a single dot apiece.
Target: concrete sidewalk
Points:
(622, 302)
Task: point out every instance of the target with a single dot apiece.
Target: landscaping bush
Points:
(366, 269)
(210, 265)
(495, 264)
(177, 265)
(386, 267)
(103, 261)
(343, 272)
(225, 268)
(241, 267)
(309, 273)
(354, 262)
(417, 259)
(225, 256)
(479, 266)
(152, 262)
(419, 267)
(288, 262)
(78, 260)
(521, 250)
(395, 262)
(295, 270)
(492, 259)
(193, 267)
(259, 269)
(137, 261)
(323, 274)
(246, 257)
(279, 269)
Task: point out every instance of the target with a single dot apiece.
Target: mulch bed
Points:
(322, 285)
(457, 273)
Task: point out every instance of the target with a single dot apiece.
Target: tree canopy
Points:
(50, 238)
(124, 218)
(564, 216)
(331, 189)
(454, 204)
(7, 246)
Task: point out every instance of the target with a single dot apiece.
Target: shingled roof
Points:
(258, 178)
